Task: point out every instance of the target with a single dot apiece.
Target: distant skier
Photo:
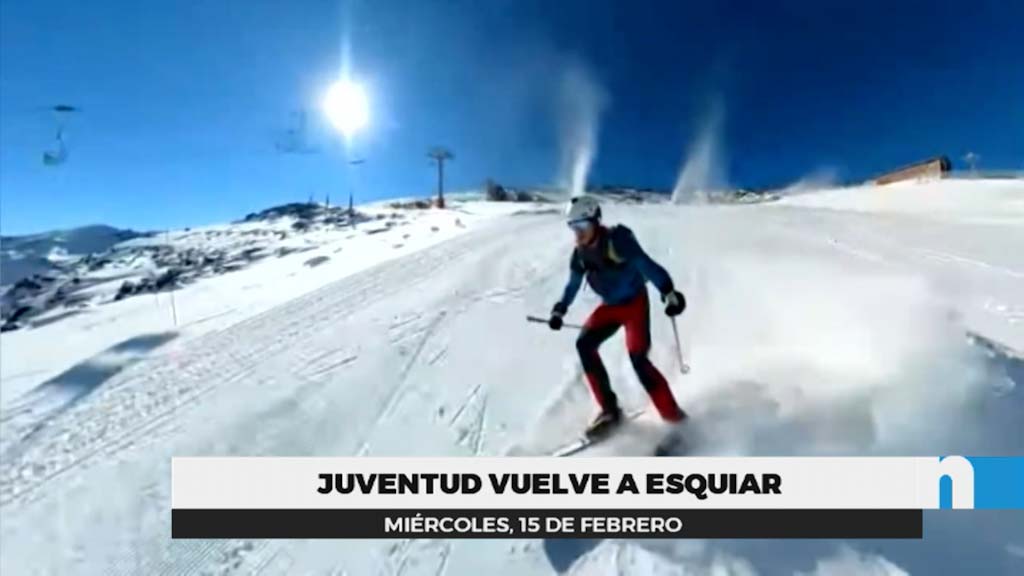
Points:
(616, 268)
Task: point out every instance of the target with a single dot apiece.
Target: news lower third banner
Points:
(760, 497)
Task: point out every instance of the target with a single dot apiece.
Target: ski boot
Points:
(604, 423)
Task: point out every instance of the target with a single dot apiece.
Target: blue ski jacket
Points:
(616, 268)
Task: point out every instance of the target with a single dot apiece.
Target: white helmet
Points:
(583, 208)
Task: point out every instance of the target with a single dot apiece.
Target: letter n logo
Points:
(952, 475)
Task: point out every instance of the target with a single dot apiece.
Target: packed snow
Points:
(956, 200)
(882, 320)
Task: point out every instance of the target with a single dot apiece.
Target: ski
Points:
(575, 446)
(583, 442)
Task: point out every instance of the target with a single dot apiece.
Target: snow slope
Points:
(282, 265)
(949, 200)
(812, 329)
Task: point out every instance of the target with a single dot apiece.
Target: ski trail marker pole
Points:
(683, 366)
(538, 320)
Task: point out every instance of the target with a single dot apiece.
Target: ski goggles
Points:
(581, 225)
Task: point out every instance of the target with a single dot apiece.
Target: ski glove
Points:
(555, 321)
(675, 302)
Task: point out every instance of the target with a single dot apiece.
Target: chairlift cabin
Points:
(59, 153)
(57, 156)
(295, 139)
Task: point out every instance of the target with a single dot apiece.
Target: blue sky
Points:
(181, 100)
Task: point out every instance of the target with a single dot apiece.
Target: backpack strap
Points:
(608, 255)
(610, 252)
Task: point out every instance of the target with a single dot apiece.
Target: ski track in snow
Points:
(422, 337)
(864, 239)
(140, 406)
(427, 355)
(244, 345)
(438, 356)
(462, 406)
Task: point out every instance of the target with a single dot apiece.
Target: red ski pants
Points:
(602, 324)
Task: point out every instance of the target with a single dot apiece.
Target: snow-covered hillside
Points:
(60, 274)
(24, 256)
(815, 326)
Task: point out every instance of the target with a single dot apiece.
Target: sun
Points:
(347, 107)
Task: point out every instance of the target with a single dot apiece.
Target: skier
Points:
(616, 268)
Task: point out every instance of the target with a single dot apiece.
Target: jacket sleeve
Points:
(573, 286)
(627, 246)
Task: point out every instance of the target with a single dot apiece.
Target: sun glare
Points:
(347, 107)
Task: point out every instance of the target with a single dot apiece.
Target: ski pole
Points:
(545, 321)
(683, 366)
